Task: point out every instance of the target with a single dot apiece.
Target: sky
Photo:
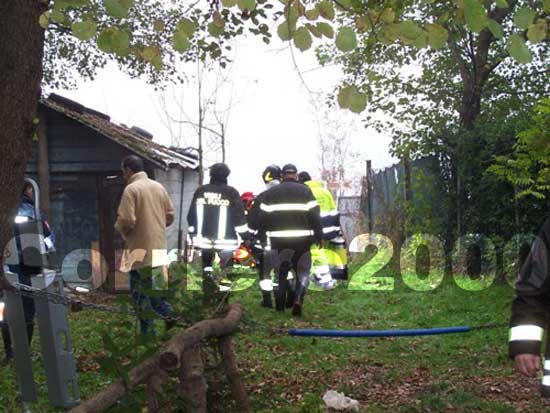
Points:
(275, 117)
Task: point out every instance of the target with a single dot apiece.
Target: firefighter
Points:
(216, 219)
(334, 255)
(531, 311)
(290, 217)
(271, 177)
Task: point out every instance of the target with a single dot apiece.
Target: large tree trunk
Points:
(21, 51)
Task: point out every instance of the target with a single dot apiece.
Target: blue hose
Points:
(379, 333)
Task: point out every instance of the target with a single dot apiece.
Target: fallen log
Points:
(171, 354)
(171, 358)
(232, 372)
(193, 385)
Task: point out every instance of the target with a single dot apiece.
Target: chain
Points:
(60, 299)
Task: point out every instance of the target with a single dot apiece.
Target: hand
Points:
(527, 364)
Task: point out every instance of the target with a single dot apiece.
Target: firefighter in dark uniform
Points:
(271, 177)
(531, 311)
(216, 220)
(290, 217)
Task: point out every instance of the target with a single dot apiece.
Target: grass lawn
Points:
(452, 373)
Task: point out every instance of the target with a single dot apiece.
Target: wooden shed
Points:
(76, 160)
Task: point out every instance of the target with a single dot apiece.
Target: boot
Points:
(266, 299)
(280, 296)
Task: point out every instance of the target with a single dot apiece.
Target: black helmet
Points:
(290, 169)
(304, 176)
(270, 173)
(220, 170)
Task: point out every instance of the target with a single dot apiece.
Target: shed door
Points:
(112, 243)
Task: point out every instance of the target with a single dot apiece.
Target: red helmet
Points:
(247, 198)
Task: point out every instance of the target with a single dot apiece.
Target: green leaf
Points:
(346, 40)
(302, 39)
(150, 53)
(84, 30)
(249, 5)
(116, 9)
(65, 4)
(358, 102)
(127, 3)
(409, 31)
(312, 14)
(495, 29)
(343, 4)
(218, 20)
(314, 30)
(344, 96)
(475, 15)
(325, 29)
(421, 40)
(214, 30)
(229, 3)
(58, 16)
(44, 20)
(524, 18)
(437, 36)
(518, 49)
(503, 4)
(180, 41)
(159, 25)
(187, 26)
(537, 32)
(113, 40)
(546, 5)
(326, 9)
(387, 16)
(284, 31)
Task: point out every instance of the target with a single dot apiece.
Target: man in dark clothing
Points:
(25, 270)
(215, 218)
(531, 311)
(290, 217)
(271, 177)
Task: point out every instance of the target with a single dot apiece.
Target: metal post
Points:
(369, 195)
(53, 324)
(20, 341)
(57, 352)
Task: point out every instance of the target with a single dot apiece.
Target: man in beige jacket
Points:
(144, 212)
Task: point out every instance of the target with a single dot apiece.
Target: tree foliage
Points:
(528, 168)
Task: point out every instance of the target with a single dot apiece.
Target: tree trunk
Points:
(21, 48)
(232, 371)
(193, 385)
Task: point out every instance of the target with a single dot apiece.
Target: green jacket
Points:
(330, 217)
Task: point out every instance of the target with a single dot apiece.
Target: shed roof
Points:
(123, 135)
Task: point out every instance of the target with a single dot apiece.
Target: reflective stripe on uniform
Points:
(222, 222)
(547, 365)
(291, 233)
(329, 214)
(526, 333)
(243, 228)
(200, 218)
(546, 380)
(289, 207)
(327, 230)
